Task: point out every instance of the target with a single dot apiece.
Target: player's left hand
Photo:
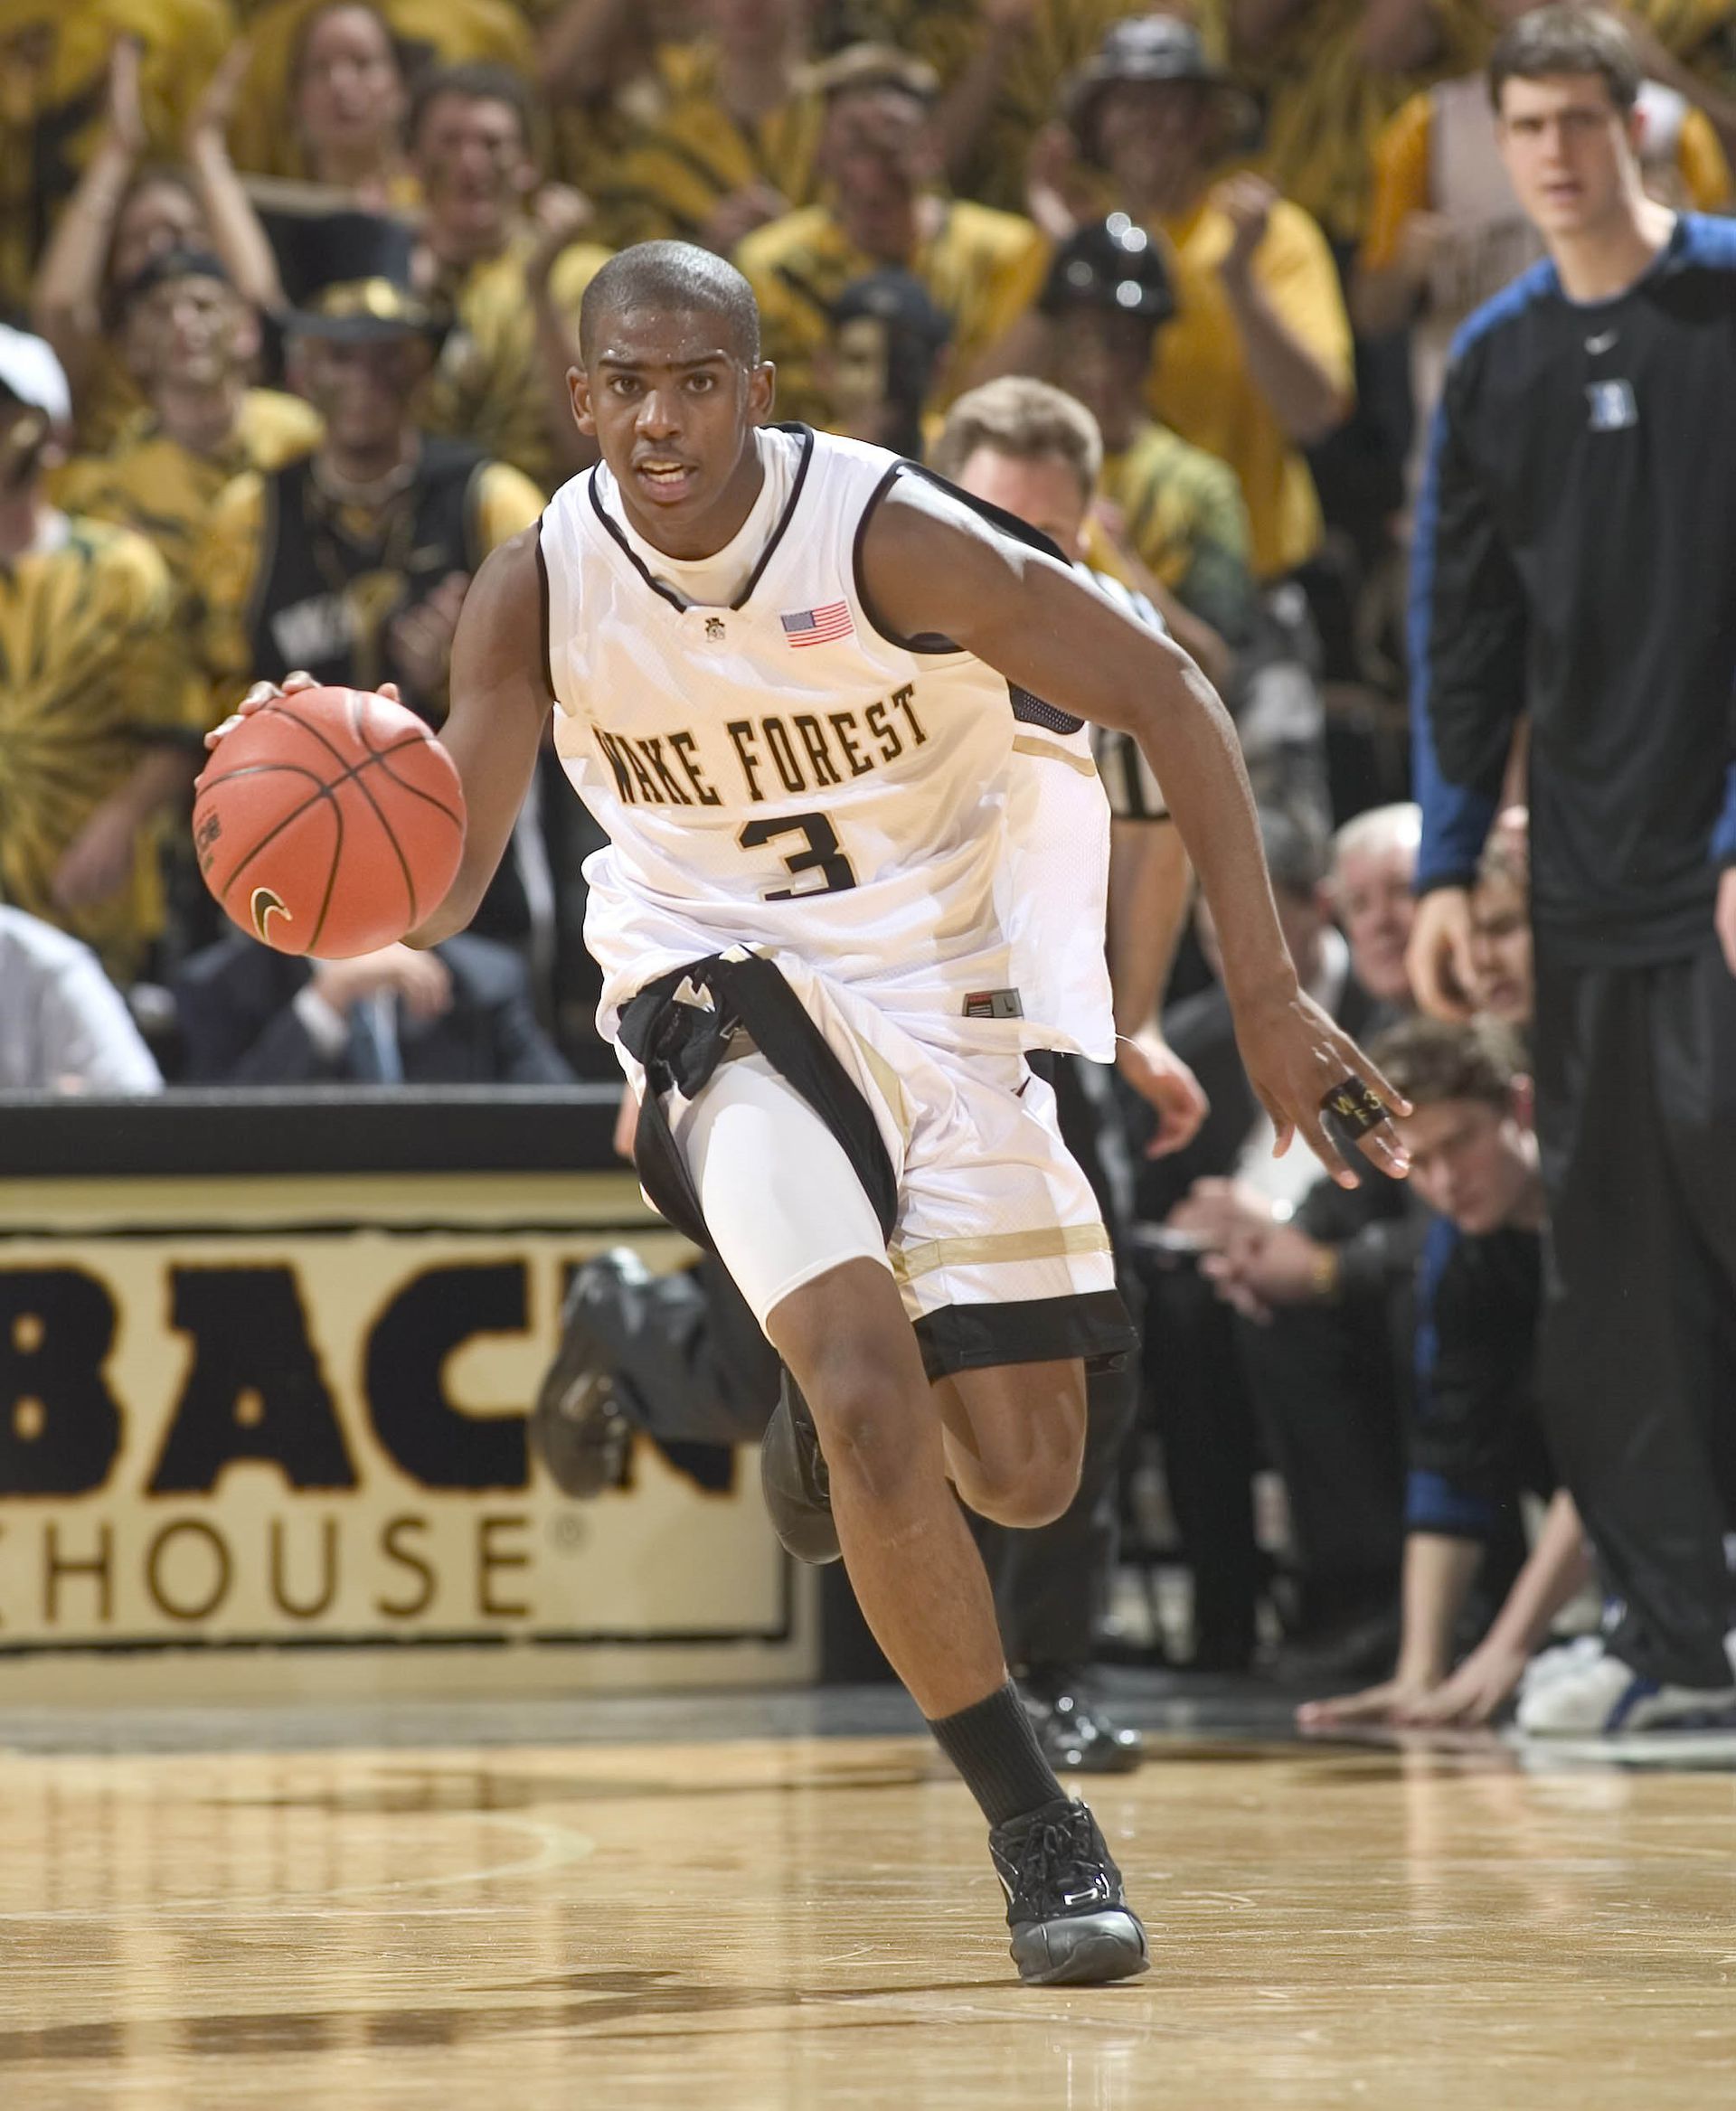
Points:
(1724, 916)
(99, 860)
(1163, 1081)
(1295, 1057)
(262, 692)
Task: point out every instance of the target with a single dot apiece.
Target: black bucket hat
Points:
(348, 277)
(1155, 47)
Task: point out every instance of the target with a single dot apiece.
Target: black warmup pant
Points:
(1636, 1117)
(1051, 1585)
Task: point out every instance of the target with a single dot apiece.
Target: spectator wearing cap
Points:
(735, 140)
(1175, 508)
(877, 369)
(64, 1027)
(1255, 363)
(99, 717)
(510, 284)
(884, 208)
(351, 561)
(189, 341)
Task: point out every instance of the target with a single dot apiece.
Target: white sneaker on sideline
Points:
(1600, 1696)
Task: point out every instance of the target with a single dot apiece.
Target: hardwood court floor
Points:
(771, 1924)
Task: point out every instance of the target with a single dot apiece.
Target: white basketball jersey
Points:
(780, 773)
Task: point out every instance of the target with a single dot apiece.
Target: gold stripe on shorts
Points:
(1046, 1242)
(1023, 744)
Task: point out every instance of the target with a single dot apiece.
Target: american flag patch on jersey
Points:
(818, 625)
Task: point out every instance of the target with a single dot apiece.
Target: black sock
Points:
(995, 1749)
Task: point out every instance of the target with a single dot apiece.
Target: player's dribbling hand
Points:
(262, 692)
(1439, 959)
(1295, 1056)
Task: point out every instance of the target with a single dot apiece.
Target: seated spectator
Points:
(328, 84)
(1476, 1445)
(351, 561)
(64, 1027)
(1501, 925)
(189, 341)
(884, 208)
(1174, 510)
(1373, 867)
(877, 369)
(99, 713)
(736, 140)
(511, 288)
(1281, 1329)
(1255, 363)
(460, 1014)
(1446, 232)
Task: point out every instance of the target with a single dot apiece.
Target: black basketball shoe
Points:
(1070, 1922)
(577, 1426)
(792, 1472)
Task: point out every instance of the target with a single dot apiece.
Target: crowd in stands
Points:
(289, 292)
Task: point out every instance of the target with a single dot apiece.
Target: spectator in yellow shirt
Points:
(1256, 364)
(883, 210)
(513, 296)
(100, 714)
(736, 143)
(189, 341)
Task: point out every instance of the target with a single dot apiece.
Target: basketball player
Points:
(790, 674)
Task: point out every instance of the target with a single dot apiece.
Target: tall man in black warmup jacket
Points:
(1575, 561)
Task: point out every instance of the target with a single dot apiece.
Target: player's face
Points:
(1372, 893)
(473, 163)
(1470, 1162)
(672, 407)
(349, 93)
(1569, 151)
(1501, 950)
(1046, 493)
(193, 330)
(1103, 360)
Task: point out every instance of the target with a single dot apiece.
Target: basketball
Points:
(329, 821)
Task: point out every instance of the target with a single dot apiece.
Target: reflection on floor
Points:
(774, 1902)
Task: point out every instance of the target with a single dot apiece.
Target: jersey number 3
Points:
(822, 856)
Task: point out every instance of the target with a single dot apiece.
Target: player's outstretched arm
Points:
(500, 703)
(930, 566)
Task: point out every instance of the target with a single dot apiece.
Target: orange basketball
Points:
(330, 822)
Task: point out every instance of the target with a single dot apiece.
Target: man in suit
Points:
(459, 1015)
(1316, 1390)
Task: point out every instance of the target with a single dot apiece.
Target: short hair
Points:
(679, 277)
(1296, 852)
(1377, 828)
(1430, 1061)
(1027, 420)
(477, 84)
(1563, 39)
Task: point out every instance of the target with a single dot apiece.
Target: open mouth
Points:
(664, 479)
